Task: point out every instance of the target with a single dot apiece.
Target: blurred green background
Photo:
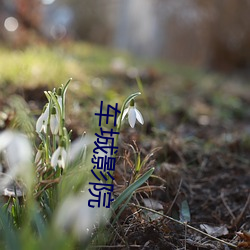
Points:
(212, 34)
(192, 56)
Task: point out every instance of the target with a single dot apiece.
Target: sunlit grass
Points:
(38, 65)
(41, 64)
(34, 65)
(49, 64)
(90, 66)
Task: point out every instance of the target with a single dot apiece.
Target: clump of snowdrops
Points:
(47, 175)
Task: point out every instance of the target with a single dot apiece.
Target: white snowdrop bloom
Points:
(76, 217)
(42, 122)
(133, 114)
(17, 152)
(54, 121)
(59, 157)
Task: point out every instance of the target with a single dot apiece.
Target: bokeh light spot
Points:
(47, 2)
(11, 24)
(58, 31)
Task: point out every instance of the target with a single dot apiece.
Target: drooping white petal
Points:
(124, 113)
(42, 121)
(59, 99)
(19, 151)
(133, 114)
(39, 123)
(38, 156)
(46, 112)
(18, 156)
(139, 116)
(59, 157)
(54, 124)
(132, 117)
(5, 139)
(55, 156)
(44, 127)
(62, 161)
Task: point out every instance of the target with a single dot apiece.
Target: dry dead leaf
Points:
(245, 236)
(215, 231)
(155, 205)
(152, 204)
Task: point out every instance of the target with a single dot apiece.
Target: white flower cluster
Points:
(52, 117)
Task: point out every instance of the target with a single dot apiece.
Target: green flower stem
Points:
(46, 147)
(47, 137)
(65, 87)
(66, 137)
(53, 142)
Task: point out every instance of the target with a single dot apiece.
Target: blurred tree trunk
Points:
(212, 33)
(92, 20)
(229, 34)
(28, 13)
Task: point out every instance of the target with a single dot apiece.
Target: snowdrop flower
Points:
(17, 152)
(59, 157)
(76, 217)
(42, 122)
(133, 114)
(54, 121)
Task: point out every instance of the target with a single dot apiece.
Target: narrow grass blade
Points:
(128, 191)
(10, 236)
(122, 209)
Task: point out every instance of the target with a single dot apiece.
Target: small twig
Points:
(149, 188)
(183, 224)
(117, 246)
(48, 185)
(57, 180)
